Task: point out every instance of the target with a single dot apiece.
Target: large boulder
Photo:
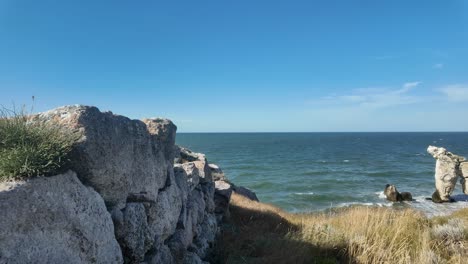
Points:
(117, 156)
(447, 172)
(394, 195)
(55, 220)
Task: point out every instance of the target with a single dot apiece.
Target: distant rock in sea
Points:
(448, 168)
(393, 195)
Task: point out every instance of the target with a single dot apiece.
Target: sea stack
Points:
(448, 168)
(393, 195)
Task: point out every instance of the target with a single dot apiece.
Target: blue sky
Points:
(219, 66)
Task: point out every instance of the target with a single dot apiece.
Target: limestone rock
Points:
(184, 155)
(164, 214)
(464, 176)
(55, 220)
(216, 172)
(192, 258)
(191, 173)
(222, 196)
(446, 172)
(117, 156)
(162, 255)
(132, 232)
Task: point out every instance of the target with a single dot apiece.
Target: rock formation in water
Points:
(393, 195)
(448, 168)
(131, 196)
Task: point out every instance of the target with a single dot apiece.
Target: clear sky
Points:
(244, 65)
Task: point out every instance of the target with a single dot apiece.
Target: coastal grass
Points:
(29, 148)
(261, 233)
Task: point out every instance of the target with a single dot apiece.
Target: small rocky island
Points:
(449, 168)
(130, 195)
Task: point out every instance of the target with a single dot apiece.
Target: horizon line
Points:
(298, 132)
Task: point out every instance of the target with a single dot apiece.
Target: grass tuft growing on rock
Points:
(29, 148)
(261, 233)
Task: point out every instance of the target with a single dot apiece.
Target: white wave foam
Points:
(304, 193)
(345, 160)
(431, 209)
(381, 195)
(365, 204)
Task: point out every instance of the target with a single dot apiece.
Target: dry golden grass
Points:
(261, 233)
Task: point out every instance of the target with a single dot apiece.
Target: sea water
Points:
(302, 172)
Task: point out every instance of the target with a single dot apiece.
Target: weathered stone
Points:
(224, 189)
(164, 214)
(161, 255)
(191, 173)
(186, 155)
(393, 195)
(208, 190)
(246, 193)
(464, 176)
(223, 192)
(446, 172)
(55, 220)
(203, 242)
(199, 160)
(164, 133)
(192, 258)
(216, 172)
(117, 156)
(132, 232)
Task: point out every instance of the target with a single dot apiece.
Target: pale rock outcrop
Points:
(55, 220)
(217, 173)
(464, 176)
(196, 226)
(223, 192)
(447, 172)
(117, 156)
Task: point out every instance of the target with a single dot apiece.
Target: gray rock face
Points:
(464, 176)
(130, 164)
(217, 173)
(118, 156)
(197, 225)
(447, 172)
(246, 193)
(222, 197)
(55, 220)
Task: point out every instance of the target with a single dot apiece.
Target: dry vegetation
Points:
(261, 233)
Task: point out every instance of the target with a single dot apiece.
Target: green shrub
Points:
(30, 149)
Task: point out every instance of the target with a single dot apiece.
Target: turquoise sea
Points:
(302, 172)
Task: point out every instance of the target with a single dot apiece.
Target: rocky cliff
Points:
(131, 195)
